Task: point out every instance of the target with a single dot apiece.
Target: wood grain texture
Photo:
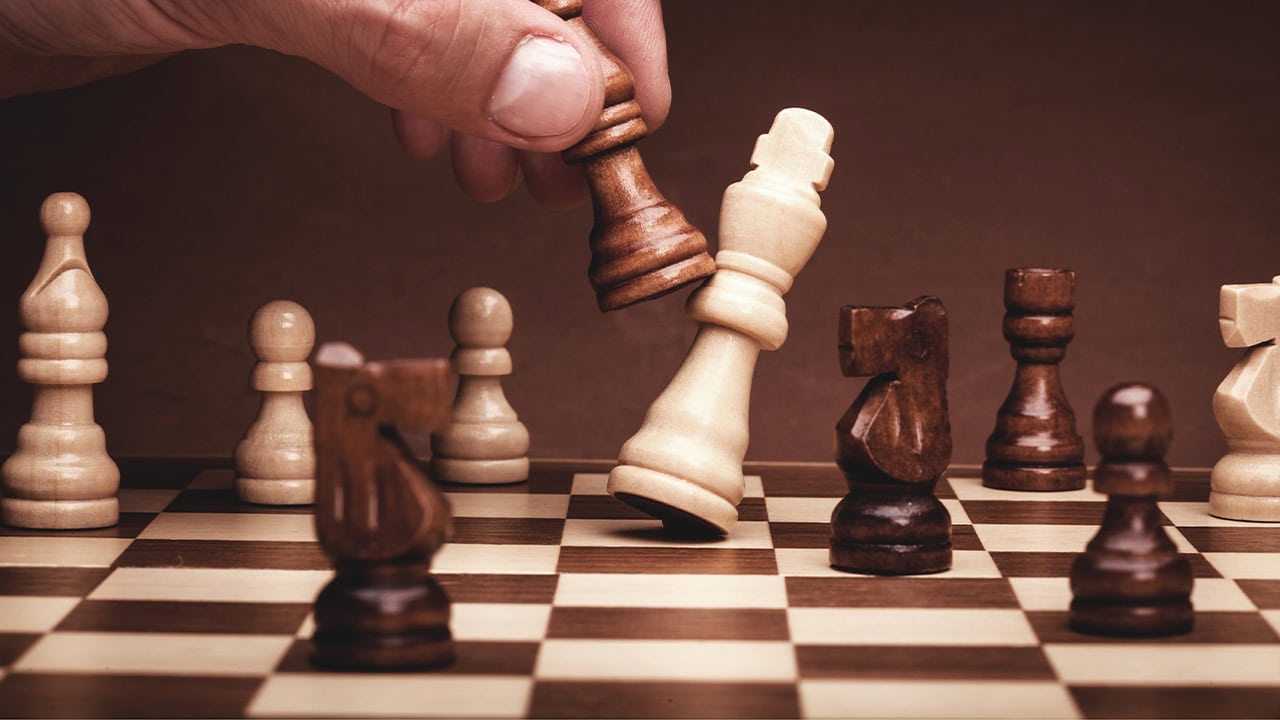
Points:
(669, 629)
(583, 699)
(1035, 445)
(894, 442)
(900, 592)
(684, 464)
(484, 442)
(1099, 701)
(60, 476)
(276, 459)
(642, 246)
(125, 696)
(185, 617)
(953, 663)
(377, 514)
(668, 623)
(685, 561)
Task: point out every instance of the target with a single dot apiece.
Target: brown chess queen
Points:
(641, 246)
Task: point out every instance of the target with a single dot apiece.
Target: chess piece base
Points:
(681, 505)
(1034, 478)
(891, 530)
(891, 559)
(1093, 617)
(59, 514)
(656, 283)
(1244, 507)
(1246, 486)
(264, 491)
(385, 615)
(408, 651)
(479, 472)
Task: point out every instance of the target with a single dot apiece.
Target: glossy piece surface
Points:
(642, 246)
(377, 514)
(1035, 445)
(894, 442)
(1131, 580)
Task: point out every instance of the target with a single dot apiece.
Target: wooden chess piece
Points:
(1035, 445)
(894, 442)
(642, 246)
(1131, 579)
(684, 465)
(276, 460)
(377, 514)
(60, 476)
(484, 442)
(1246, 481)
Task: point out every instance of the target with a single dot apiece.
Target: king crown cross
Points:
(795, 148)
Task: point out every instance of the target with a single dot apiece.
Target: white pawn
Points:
(1246, 481)
(684, 465)
(60, 476)
(276, 460)
(484, 442)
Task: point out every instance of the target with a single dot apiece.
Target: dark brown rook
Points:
(1131, 579)
(377, 514)
(1035, 445)
(894, 442)
(641, 246)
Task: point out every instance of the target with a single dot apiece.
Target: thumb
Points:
(505, 70)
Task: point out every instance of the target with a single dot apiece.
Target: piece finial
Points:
(480, 317)
(797, 146)
(65, 213)
(282, 331)
(1132, 421)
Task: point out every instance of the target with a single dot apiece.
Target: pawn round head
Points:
(480, 317)
(64, 213)
(282, 331)
(1132, 421)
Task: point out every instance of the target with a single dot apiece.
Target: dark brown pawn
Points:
(1035, 445)
(894, 442)
(377, 514)
(641, 246)
(1131, 579)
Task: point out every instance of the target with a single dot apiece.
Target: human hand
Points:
(510, 82)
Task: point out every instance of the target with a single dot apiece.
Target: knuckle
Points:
(407, 39)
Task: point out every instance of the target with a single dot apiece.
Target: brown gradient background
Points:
(1134, 142)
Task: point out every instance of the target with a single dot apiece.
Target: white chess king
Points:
(684, 465)
(60, 476)
(1246, 481)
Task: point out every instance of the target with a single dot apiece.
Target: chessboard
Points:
(567, 603)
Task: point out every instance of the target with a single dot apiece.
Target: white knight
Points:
(1246, 481)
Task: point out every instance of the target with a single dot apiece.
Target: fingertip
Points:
(506, 70)
(547, 92)
(421, 138)
(485, 170)
(634, 31)
(553, 182)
